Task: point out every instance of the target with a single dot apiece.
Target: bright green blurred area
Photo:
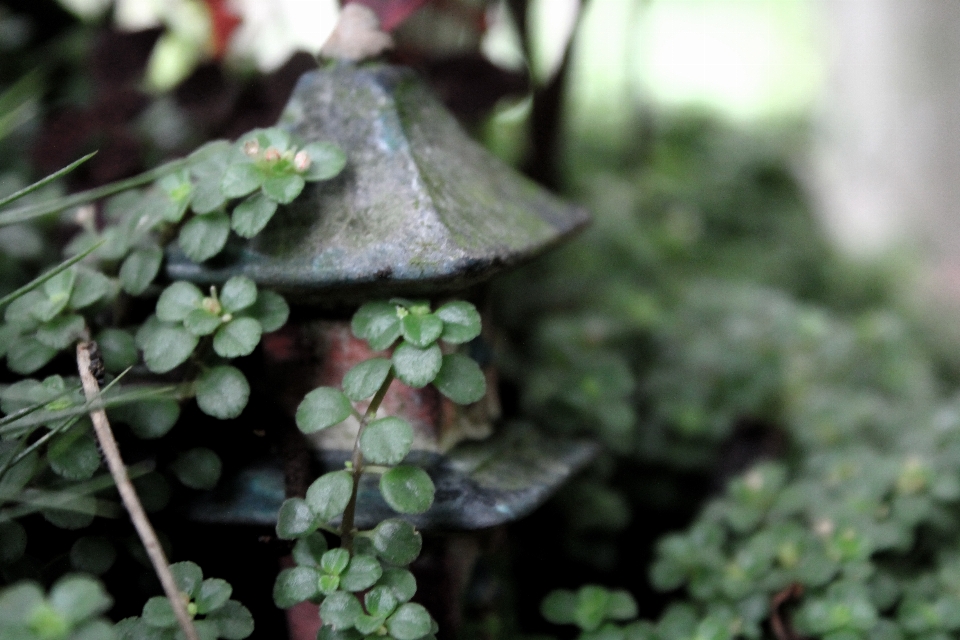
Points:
(748, 60)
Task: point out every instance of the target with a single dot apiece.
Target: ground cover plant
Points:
(780, 431)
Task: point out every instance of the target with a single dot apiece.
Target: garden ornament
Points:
(423, 212)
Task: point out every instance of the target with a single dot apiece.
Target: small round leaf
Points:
(251, 216)
(417, 367)
(461, 379)
(240, 179)
(377, 323)
(177, 300)
(329, 494)
(295, 585)
(270, 310)
(366, 378)
(397, 541)
(421, 330)
(198, 468)
(340, 610)
(201, 322)
(386, 440)
(167, 347)
(157, 612)
(295, 519)
(362, 573)
(118, 349)
(233, 620)
(204, 236)
(188, 577)
(308, 550)
(238, 293)
(214, 593)
(321, 408)
(335, 561)
(407, 489)
(237, 338)
(284, 188)
(139, 269)
(400, 582)
(461, 322)
(222, 392)
(326, 161)
(381, 601)
(409, 622)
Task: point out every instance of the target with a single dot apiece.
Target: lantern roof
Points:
(420, 208)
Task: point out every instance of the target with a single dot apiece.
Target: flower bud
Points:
(301, 161)
(251, 148)
(271, 155)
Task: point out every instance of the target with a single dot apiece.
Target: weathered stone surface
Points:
(479, 484)
(420, 208)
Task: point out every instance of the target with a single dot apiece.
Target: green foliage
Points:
(214, 614)
(71, 610)
(337, 577)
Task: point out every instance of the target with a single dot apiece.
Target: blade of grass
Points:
(45, 181)
(29, 212)
(39, 280)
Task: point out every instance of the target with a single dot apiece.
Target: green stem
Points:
(346, 527)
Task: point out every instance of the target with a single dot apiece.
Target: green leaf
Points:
(62, 331)
(308, 551)
(401, 583)
(362, 573)
(340, 610)
(409, 622)
(74, 455)
(213, 594)
(198, 468)
(13, 542)
(238, 293)
(20, 600)
(381, 601)
(377, 323)
(204, 236)
(27, 354)
(461, 379)
(321, 408)
(90, 287)
(397, 542)
(364, 379)
(369, 625)
(240, 179)
(20, 312)
(421, 330)
(222, 392)
(79, 597)
(407, 489)
(5, 200)
(167, 347)
(386, 440)
(236, 338)
(253, 214)
(335, 561)
(154, 491)
(417, 367)
(329, 494)
(188, 577)
(558, 606)
(591, 607)
(295, 519)
(233, 621)
(461, 322)
(295, 585)
(284, 188)
(149, 419)
(92, 554)
(139, 269)
(178, 300)
(270, 310)
(621, 606)
(207, 196)
(57, 290)
(201, 322)
(118, 349)
(327, 584)
(326, 161)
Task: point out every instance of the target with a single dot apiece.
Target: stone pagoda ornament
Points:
(421, 211)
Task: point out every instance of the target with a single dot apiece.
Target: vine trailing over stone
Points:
(362, 586)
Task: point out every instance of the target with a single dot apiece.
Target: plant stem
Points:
(128, 494)
(346, 526)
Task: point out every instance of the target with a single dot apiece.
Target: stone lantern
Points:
(421, 211)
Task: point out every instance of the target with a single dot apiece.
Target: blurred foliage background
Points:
(780, 422)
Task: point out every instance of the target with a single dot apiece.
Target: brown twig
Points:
(86, 364)
(779, 620)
